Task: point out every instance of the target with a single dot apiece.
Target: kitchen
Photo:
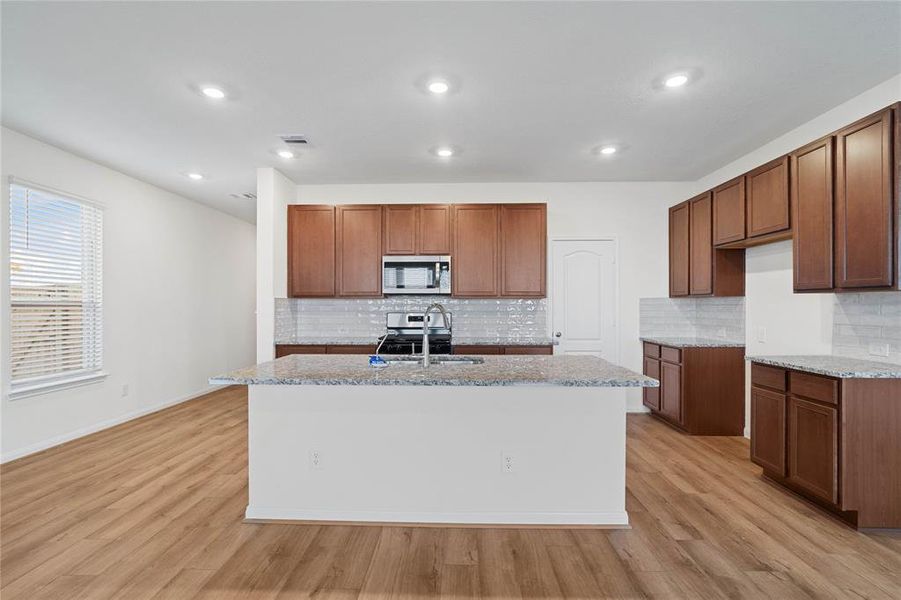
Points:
(423, 314)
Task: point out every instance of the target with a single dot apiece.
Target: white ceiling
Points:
(541, 85)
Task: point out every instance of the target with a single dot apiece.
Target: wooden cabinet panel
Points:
(815, 387)
(700, 247)
(523, 250)
(401, 228)
(678, 249)
(771, 377)
(768, 430)
(475, 250)
(651, 350)
(434, 229)
(767, 201)
(311, 251)
(358, 247)
(671, 391)
(673, 355)
(350, 349)
(864, 236)
(651, 396)
(529, 350)
(813, 448)
(477, 349)
(286, 349)
(812, 205)
(729, 212)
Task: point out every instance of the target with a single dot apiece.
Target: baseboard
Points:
(78, 433)
(450, 519)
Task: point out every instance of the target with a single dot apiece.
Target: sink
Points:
(434, 360)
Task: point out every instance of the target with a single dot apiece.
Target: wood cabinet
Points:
(286, 349)
(700, 266)
(528, 350)
(812, 204)
(358, 249)
(488, 350)
(475, 250)
(836, 442)
(767, 199)
(423, 229)
(311, 251)
(865, 238)
(702, 390)
(434, 229)
(523, 250)
(679, 258)
(729, 212)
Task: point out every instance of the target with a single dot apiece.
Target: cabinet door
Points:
(767, 198)
(651, 396)
(311, 251)
(768, 430)
(701, 247)
(812, 448)
(811, 199)
(359, 247)
(671, 391)
(864, 254)
(729, 212)
(678, 249)
(400, 229)
(434, 229)
(475, 250)
(523, 250)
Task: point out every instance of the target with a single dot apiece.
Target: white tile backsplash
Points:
(718, 318)
(863, 325)
(506, 320)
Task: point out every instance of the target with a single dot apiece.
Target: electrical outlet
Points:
(761, 335)
(721, 333)
(508, 463)
(315, 460)
(124, 390)
(878, 349)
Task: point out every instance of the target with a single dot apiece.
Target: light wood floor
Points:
(153, 509)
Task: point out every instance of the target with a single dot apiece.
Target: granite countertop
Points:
(692, 342)
(459, 341)
(833, 366)
(577, 371)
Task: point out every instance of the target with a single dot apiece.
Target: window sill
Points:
(47, 387)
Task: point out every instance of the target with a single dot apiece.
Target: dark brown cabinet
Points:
(767, 199)
(417, 229)
(768, 429)
(485, 349)
(729, 212)
(812, 448)
(678, 250)
(434, 229)
(812, 203)
(865, 239)
(700, 266)
(671, 392)
(311, 251)
(651, 396)
(523, 250)
(358, 246)
(475, 250)
(286, 349)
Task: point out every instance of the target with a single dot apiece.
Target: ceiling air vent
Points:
(244, 196)
(294, 139)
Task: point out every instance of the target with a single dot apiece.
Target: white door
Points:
(584, 297)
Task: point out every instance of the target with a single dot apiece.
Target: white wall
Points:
(634, 213)
(178, 299)
(274, 193)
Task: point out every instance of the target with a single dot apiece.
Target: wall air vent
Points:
(294, 139)
(244, 196)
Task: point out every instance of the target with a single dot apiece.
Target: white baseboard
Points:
(72, 435)
(600, 519)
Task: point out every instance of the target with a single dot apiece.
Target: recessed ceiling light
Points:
(195, 176)
(607, 150)
(444, 152)
(676, 80)
(213, 92)
(285, 154)
(438, 87)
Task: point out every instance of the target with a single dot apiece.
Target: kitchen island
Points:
(518, 440)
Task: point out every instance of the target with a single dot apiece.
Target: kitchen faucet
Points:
(425, 329)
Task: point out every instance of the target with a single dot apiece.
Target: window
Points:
(55, 272)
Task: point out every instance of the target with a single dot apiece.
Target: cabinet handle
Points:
(558, 334)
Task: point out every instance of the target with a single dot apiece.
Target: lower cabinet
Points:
(702, 390)
(487, 350)
(286, 349)
(836, 442)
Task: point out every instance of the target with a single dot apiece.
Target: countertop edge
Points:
(618, 383)
(893, 372)
(677, 342)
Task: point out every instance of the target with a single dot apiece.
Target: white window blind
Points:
(56, 288)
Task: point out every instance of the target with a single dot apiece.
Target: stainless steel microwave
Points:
(416, 275)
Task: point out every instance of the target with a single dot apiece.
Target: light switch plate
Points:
(761, 335)
(877, 349)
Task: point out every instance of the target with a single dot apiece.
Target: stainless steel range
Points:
(404, 333)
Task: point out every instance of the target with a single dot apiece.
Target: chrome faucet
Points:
(425, 329)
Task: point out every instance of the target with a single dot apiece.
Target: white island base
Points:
(492, 455)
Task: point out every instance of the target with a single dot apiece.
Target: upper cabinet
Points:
(766, 199)
(523, 250)
(678, 250)
(700, 246)
(729, 212)
(417, 229)
(474, 266)
(311, 251)
(811, 192)
(358, 247)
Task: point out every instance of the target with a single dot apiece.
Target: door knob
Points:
(558, 334)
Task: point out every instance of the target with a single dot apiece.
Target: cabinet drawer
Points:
(651, 350)
(350, 349)
(529, 350)
(771, 377)
(814, 387)
(287, 349)
(478, 349)
(673, 355)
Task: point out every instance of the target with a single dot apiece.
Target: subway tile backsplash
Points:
(299, 320)
(718, 318)
(868, 326)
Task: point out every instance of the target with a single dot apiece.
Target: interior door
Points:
(584, 297)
